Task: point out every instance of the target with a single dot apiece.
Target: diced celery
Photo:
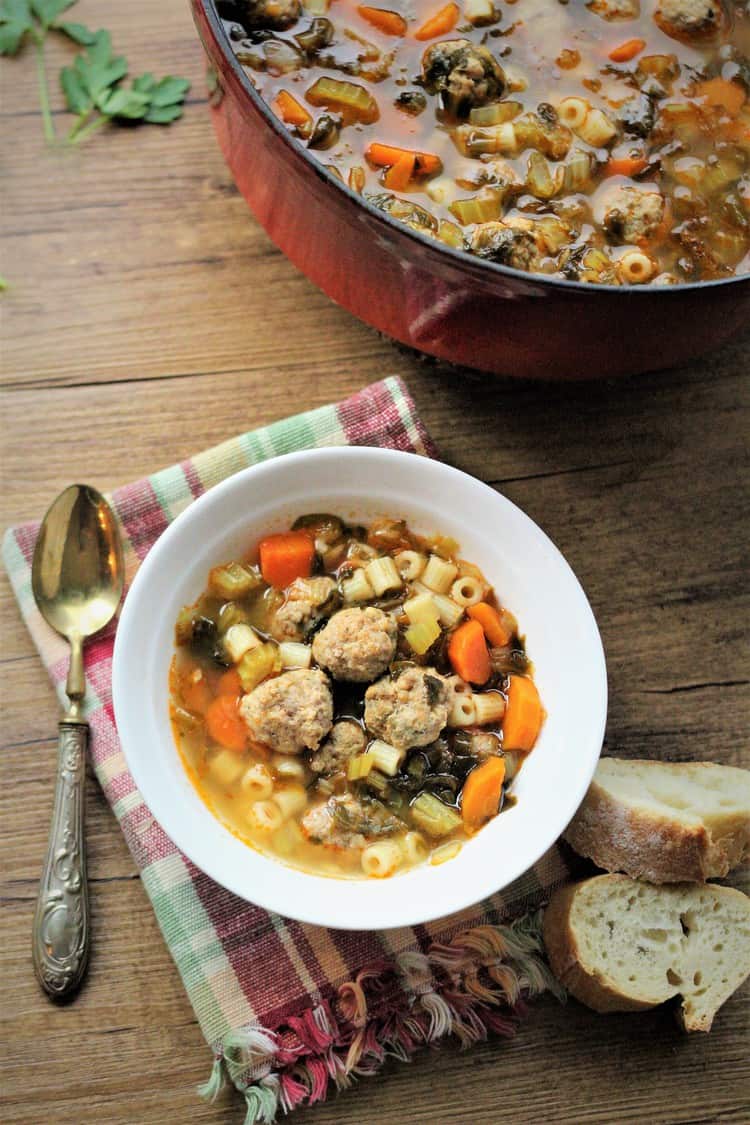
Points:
(421, 636)
(183, 630)
(578, 170)
(234, 580)
(496, 114)
(377, 781)
(421, 608)
(483, 208)
(349, 97)
(257, 664)
(433, 817)
(359, 766)
(539, 179)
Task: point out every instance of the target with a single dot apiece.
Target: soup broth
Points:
(595, 140)
(352, 700)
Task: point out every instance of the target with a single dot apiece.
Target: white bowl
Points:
(530, 576)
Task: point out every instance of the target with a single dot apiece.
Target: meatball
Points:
(290, 713)
(356, 644)
(344, 822)
(690, 19)
(275, 14)
(510, 246)
(616, 9)
(464, 74)
(409, 710)
(345, 741)
(631, 214)
(304, 603)
(636, 116)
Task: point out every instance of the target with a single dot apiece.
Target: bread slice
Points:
(619, 946)
(665, 822)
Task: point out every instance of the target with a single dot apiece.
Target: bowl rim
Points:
(376, 914)
(460, 258)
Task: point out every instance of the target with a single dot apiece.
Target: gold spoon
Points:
(77, 579)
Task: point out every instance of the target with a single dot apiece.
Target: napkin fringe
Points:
(472, 986)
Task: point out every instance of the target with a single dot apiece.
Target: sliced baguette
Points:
(619, 946)
(664, 822)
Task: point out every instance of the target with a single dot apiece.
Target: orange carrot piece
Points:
(398, 177)
(439, 24)
(385, 156)
(390, 23)
(523, 716)
(285, 557)
(628, 50)
(495, 629)
(722, 94)
(290, 110)
(467, 652)
(625, 166)
(196, 694)
(229, 683)
(224, 724)
(482, 792)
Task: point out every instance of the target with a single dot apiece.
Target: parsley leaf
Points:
(16, 21)
(78, 32)
(93, 86)
(47, 11)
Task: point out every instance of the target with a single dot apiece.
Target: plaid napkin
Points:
(293, 1011)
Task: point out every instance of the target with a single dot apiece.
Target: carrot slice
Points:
(398, 176)
(467, 652)
(285, 557)
(390, 23)
(628, 50)
(229, 683)
(625, 166)
(495, 629)
(385, 156)
(290, 110)
(224, 724)
(439, 24)
(722, 94)
(482, 792)
(523, 716)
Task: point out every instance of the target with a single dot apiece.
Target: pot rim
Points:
(461, 260)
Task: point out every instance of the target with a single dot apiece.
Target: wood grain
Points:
(148, 317)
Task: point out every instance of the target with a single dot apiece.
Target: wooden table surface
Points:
(148, 317)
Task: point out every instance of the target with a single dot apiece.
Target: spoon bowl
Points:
(77, 574)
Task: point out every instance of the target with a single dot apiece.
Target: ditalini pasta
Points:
(352, 700)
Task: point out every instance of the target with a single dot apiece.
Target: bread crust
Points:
(651, 846)
(563, 956)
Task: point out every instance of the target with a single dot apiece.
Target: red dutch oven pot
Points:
(431, 297)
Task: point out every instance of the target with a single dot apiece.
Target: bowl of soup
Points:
(359, 688)
(530, 188)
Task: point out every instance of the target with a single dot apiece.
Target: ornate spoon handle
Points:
(61, 922)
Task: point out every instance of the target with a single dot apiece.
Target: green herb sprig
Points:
(93, 86)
